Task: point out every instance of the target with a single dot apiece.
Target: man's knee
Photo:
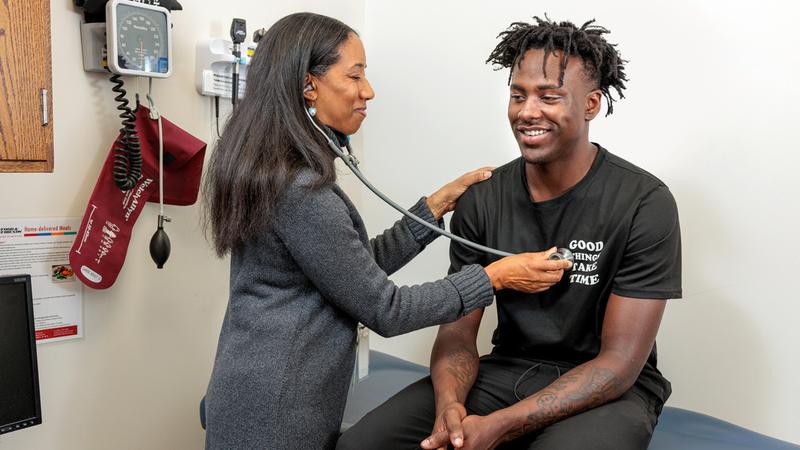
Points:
(377, 431)
(401, 422)
(353, 440)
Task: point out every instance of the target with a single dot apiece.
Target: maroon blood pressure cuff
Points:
(99, 250)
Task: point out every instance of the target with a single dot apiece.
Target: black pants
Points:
(404, 420)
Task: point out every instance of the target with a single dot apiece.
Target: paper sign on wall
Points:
(40, 247)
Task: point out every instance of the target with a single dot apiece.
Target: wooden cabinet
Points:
(26, 131)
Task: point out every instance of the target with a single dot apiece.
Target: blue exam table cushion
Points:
(677, 429)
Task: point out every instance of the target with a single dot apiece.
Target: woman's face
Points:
(341, 94)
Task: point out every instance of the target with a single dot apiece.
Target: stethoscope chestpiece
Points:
(563, 253)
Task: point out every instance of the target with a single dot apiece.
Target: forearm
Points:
(390, 310)
(399, 244)
(589, 385)
(454, 368)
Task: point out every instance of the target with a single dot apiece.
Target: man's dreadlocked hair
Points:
(601, 60)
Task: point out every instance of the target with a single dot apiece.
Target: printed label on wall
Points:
(40, 248)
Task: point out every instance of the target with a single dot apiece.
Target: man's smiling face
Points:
(549, 121)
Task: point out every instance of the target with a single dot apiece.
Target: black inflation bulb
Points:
(159, 244)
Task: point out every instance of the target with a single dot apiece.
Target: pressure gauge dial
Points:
(139, 39)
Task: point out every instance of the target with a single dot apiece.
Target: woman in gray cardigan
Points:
(303, 270)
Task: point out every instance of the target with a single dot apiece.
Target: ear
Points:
(310, 88)
(593, 104)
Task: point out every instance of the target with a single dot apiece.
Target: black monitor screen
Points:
(19, 378)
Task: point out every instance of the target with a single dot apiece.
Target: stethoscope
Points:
(352, 162)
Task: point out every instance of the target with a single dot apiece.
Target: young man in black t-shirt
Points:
(573, 366)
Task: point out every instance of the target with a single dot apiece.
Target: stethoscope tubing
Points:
(352, 163)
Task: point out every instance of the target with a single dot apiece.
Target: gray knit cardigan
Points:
(297, 291)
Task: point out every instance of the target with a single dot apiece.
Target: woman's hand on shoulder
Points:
(444, 200)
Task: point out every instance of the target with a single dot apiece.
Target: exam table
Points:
(677, 429)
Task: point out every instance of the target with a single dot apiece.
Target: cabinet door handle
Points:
(45, 117)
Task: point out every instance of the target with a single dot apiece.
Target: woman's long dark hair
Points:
(268, 138)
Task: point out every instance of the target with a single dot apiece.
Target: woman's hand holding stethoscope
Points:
(528, 272)
(444, 200)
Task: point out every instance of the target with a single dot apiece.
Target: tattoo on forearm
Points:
(579, 389)
(462, 364)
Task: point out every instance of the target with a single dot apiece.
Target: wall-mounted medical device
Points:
(139, 39)
(128, 37)
(132, 38)
(214, 67)
(93, 43)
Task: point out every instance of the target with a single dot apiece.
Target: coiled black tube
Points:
(127, 151)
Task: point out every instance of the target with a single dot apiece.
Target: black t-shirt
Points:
(620, 222)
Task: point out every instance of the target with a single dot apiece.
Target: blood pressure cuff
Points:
(99, 250)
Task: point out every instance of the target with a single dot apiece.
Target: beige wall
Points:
(135, 379)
